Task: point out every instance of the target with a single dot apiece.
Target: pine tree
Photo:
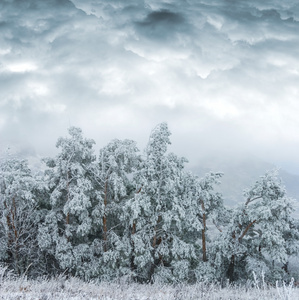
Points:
(256, 237)
(19, 216)
(205, 214)
(159, 251)
(65, 233)
(117, 161)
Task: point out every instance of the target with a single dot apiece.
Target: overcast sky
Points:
(224, 75)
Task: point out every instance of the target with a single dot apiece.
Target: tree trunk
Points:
(67, 218)
(105, 216)
(231, 269)
(132, 258)
(13, 234)
(9, 226)
(16, 235)
(285, 267)
(203, 232)
(156, 242)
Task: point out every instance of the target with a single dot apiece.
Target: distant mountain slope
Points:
(240, 174)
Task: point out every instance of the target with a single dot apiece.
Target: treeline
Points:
(122, 213)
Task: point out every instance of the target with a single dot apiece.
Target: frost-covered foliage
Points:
(19, 216)
(84, 230)
(116, 162)
(261, 234)
(157, 214)
(67, 228)
(142, 217)
(206, 214)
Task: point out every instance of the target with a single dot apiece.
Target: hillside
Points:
(240, 173)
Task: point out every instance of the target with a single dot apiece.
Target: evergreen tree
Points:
(116, 162)
(156, 212)
(142, 216)
(256, 238)
(68, 227)
(206, 213)
(19, 217)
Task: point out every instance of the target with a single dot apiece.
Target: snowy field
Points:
(21, 288)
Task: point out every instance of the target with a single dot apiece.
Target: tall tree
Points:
(117, 161)
(66, 230)
(156, 213)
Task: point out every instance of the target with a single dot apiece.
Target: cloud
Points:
(161, 25)
(223, 74)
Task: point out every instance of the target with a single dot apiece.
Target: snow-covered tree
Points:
(65, 233)
(205, 214)
(143, 216)
(205, 210)
(256, 238)
(159, 251)
(117, 161)
(19, 216)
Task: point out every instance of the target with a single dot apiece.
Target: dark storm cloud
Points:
(161, 24)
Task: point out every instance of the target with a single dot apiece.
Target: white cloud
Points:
(38, 89)
(22, 67)
(114, 82)
(4, 51)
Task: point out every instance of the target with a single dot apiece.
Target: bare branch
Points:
(246, 229)
(217, 226)
(252, 199)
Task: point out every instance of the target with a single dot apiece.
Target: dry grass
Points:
(60, 288)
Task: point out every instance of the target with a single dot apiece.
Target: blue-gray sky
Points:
(224, 74)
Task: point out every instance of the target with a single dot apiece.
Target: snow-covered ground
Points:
(60, 288)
